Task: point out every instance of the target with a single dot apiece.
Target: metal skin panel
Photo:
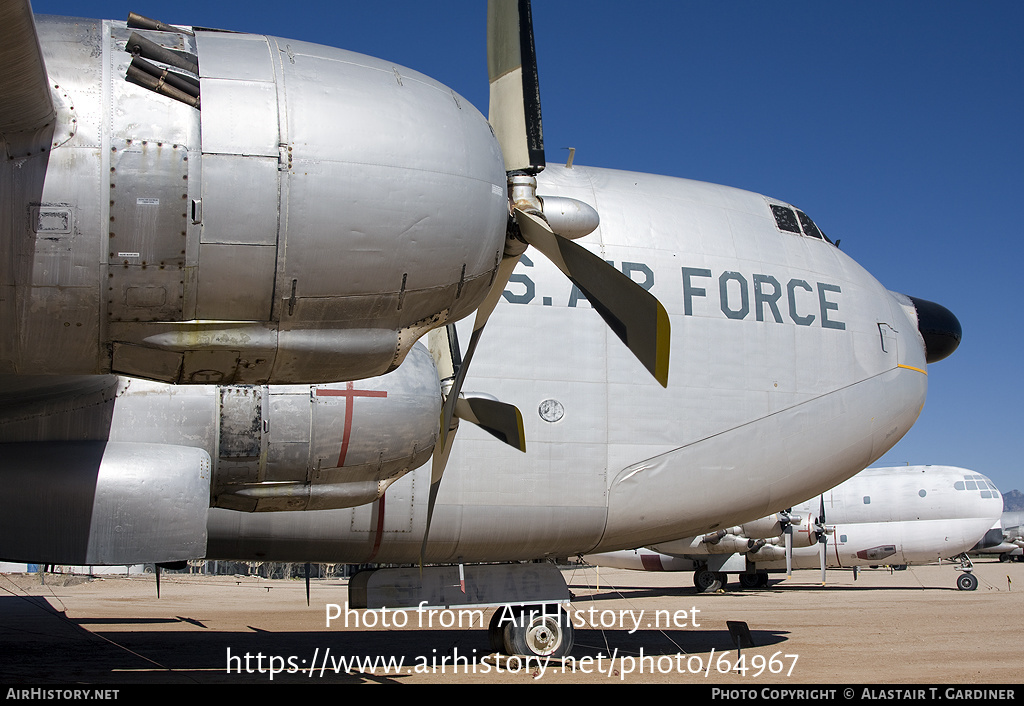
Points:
(423, 166)
(49, 278)
(240, 200)
(56, 408)
(450, 586)
(235, 282)
(242, 57)
(148, 192)
(105, 503)
(383, 191)
(239, 117)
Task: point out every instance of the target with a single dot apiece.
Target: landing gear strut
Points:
(966, 581)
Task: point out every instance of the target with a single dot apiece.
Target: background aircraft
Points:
(892, 516)
(1006, 540)
(852, 139)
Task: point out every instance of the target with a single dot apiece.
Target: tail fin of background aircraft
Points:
(26, 107)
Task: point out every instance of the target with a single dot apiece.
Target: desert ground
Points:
(885, 628)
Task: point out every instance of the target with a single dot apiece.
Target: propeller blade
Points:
(442, 450)
(514, 110)
(634, 314)
(444, 347)
(501, 420)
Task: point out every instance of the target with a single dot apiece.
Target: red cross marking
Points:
(350, 394)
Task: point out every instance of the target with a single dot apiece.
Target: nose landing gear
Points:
(966, 581)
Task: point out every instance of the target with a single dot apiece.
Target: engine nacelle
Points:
(805, 532)
(320, 447)
(764, 528)
(103, 503)
(272, 212)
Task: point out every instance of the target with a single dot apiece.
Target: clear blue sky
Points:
(896, 126)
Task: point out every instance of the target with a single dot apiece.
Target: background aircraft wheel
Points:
(1004, 557)
(706, 581)
(496, 630)
(540, 631)
(762, 579)
(750, 580)
(967, 582)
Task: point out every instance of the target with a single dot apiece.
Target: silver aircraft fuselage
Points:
(327, 209)
(792, 369)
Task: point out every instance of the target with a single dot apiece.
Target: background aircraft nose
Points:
(939, 327)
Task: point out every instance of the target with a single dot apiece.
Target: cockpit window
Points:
(796, 221)
(979, 483)
(785, 219)
(808, 225)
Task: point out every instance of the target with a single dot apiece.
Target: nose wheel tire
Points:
(967, 582)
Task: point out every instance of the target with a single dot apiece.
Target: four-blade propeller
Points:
(633, 314)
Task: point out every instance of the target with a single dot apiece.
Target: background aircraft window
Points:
(808, 225)
(867, 499)
(785, 219)
(842, 538)
(922, 492)
(971, 485)
(959, 485)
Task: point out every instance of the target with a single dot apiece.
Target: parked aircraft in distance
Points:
(891, 516)
(792, 367)
(1005, 539)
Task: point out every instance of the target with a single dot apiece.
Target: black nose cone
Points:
(939, 327)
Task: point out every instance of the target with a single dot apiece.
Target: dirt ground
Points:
(909, 626)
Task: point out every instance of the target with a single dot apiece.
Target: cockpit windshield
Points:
(796, 221)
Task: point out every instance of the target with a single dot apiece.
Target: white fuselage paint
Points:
(891, 516)
(760, 411)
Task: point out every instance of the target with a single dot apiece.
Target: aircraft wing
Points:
(26, 107)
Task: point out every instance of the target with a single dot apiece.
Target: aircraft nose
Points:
(939, 328)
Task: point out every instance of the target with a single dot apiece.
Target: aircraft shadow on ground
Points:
(43, 645)
(633, 592)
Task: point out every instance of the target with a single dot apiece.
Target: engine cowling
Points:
(287, 213)
(319, 447)
(103, 503)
